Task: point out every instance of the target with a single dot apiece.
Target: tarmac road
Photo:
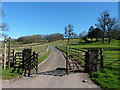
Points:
(52, 75)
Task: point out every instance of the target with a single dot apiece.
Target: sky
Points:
(30, 18)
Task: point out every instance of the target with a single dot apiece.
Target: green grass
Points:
(114, 44)
(8, 74)
(45, 56)
(108, 78)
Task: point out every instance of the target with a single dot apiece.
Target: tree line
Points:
(106, 27)
(39, 38)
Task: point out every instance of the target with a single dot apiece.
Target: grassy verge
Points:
(108, 78)
(45, 56)
(8, 74)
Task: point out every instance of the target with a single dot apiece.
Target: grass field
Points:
(114, 44)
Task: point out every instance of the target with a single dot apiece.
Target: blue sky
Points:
(30, 18)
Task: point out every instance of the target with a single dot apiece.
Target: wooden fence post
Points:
(101, 58)
(66, 60)
(3, 60)
(37, 63)
(87, 61)
(13, 56)
(23, 58)
(9, 52)
(5, 55)
(27, 61)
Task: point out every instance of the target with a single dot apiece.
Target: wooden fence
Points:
(111, 58)
(25, 60)
(92, 59)
(78, 59)
(75, 59)
(30, 61)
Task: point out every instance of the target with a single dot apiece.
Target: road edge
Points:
(45, 59)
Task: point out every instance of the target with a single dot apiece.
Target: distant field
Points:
(114, 44)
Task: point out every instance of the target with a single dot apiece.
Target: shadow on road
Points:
(59, 72)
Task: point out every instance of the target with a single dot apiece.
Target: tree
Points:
(3, 26)
(69, 32)
(115, 34)
(102, 23)
(90, 32)
(97, 33)
(75, 35)
(111, 27)
(54, 37)
(107, 24)
(83, 34)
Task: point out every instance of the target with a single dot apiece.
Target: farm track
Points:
(52, 75)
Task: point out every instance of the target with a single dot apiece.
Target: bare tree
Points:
(111, 27)
(3, 26)
(69, 32)
(75, 35)
(107, 24)
(102, 23)
(83, 34)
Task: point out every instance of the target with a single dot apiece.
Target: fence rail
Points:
(106, 57)
(77, 59)
(111, 58)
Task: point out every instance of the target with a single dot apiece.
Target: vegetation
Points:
(114, 44)
(45, 56)
(54, 37)
(107, 78)
(95, 33)
(3, 26)
(37, 39)
(108, 25)
(69, 32)
(8, 74)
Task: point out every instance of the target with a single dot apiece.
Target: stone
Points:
(84, 81)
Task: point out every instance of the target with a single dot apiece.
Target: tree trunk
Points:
(68, 40)
(91, 39)
(109, 40)
(102, 39)
(96, 39)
